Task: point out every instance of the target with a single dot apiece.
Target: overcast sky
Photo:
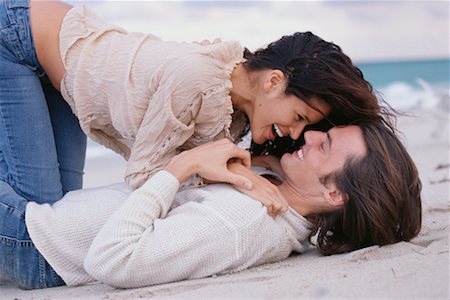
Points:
(366, 30)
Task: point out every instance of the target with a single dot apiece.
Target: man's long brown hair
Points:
(384, 204)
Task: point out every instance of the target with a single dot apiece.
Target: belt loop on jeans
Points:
(17, 3)
(12, 4)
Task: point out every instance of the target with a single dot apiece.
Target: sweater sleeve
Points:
(140, 245)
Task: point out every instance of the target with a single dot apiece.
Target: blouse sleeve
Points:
(169, 120)
(156, 141)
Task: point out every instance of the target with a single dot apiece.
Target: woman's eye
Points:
(299, 118)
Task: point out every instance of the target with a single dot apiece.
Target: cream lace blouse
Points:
(144, 98)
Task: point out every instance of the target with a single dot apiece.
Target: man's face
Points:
(322, 154)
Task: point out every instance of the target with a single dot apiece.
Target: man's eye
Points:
(299, 118)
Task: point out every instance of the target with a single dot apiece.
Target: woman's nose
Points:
(296, 131)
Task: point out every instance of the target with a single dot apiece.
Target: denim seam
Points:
(9, 21)
(22, 243)
(4, 118)
(21, 31)
(20, 212)
(42, 281)
(10, 13)
(12, 38)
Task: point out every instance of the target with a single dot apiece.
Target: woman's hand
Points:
(210, 162)
(270, 162)
(263, 190)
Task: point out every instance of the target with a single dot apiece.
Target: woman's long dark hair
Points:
(314, 67)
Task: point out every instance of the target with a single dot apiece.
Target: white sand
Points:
(419, 269)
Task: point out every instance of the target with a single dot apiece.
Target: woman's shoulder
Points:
(225, 52)
(196, 62)
(203, 73)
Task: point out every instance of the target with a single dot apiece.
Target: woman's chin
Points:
(259, 141)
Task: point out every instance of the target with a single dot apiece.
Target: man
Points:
(158, 234)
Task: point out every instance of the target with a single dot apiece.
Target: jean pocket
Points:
(12, 43)
(15, 33)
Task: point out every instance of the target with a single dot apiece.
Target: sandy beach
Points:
(415, 270)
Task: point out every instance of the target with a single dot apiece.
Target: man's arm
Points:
(138, 244)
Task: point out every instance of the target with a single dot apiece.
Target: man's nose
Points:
(313, 136)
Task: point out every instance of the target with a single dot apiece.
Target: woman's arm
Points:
(210, 161)
(180, 115)
(270, 162)
(46, 19)
(263, 190)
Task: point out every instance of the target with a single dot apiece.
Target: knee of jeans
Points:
(43, 195)
(12, 213)
(42, 185)
(40, 190)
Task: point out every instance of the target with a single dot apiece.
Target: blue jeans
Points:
(42, 147)
(20, 261)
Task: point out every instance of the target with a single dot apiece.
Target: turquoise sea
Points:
(408, 84)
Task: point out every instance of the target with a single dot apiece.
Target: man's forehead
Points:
(346, 139)
(345, 131)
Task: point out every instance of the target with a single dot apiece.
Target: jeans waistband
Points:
(7, 7)
(15, 32)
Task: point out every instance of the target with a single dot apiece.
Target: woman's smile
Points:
(277, 130)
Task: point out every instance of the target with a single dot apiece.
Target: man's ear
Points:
(275, 80)
(334, 197)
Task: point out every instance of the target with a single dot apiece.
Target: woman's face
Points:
(278, 114)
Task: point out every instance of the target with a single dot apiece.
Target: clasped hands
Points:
(223, 161)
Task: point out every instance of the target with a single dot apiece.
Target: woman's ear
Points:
(275, 80)
(334, 197)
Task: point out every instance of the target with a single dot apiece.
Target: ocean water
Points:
(407, 85)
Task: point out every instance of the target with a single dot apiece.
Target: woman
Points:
(148, 99)
(352, 197)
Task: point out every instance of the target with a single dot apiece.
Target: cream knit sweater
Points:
(156, 235)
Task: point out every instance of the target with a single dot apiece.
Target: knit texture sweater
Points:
(145, 98)
(157, 235)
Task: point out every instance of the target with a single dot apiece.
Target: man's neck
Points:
(273, 179)
(305, 204)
